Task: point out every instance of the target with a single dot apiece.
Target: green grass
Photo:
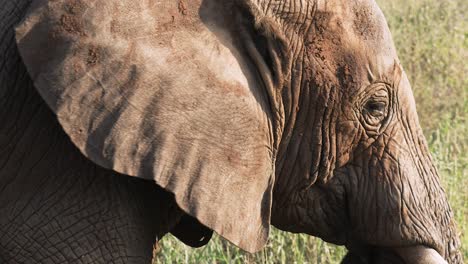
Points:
(431, 38)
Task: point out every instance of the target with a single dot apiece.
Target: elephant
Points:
(123, 121)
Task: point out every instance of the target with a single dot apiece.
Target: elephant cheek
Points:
(347, 136)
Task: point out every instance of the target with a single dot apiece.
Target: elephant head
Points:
(295, 113)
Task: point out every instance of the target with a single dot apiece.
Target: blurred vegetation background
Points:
(431, 39)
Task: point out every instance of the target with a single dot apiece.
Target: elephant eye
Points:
(375, 108)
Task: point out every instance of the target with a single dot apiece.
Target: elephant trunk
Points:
(420, 254)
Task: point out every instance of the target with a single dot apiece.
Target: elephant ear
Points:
(190, 231)
(157, 90)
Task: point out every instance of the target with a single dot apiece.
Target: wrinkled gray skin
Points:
(352, 165)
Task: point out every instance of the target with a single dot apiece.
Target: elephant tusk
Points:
(420, 254)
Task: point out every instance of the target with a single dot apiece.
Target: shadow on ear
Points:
(190, 231)
(153, 90)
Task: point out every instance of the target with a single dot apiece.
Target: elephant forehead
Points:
(360, 17)
(353, 40)
(370, 38)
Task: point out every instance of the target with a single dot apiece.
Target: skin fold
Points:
(123, 121)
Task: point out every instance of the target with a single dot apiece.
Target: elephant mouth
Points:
(401, 255)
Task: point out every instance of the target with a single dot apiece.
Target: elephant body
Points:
(56, 206)
(122, 121)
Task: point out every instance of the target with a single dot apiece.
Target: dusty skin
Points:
(244, 113)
